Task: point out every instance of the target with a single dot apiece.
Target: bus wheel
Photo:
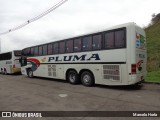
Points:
(87, 78)
(72, 77)
(5, 72)
(1, 71)
(30, 73)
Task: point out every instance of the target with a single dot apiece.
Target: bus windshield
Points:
(17, 53)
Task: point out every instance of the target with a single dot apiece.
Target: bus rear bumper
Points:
(136, 79)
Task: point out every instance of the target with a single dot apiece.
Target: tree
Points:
(155, 18)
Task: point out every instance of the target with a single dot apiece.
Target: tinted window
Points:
(55, 48)
(61, 47)
(36, 51)
(23, 52)
(6, 56)
(17, 53)
(44, 49)
(109, 40)
(50, 49)
(120, 39)
(32, 51)
(40, 51)
(28, 52)
(69, 46)
(87, 43)
(97, 42)
(77, 45)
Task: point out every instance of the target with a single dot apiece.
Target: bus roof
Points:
(10, 51)
(89, 33)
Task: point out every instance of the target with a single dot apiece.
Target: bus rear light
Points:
(133, 68)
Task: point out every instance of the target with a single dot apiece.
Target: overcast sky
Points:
(73, 18)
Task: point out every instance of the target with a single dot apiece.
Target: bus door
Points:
(23, 61)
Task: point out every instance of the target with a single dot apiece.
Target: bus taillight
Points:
(133, 68)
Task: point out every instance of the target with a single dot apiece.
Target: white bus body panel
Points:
(57, 69)
(113, 68)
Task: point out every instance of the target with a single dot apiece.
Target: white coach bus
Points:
(9, 62)
(115, 56)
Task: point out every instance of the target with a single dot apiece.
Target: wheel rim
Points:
(72, 77)
(86, 79)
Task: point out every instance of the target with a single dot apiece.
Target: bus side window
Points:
(36, 51)
(44, 50)
(28, 52)
(77, 45)
(40, 51)
(24, 52)
(87, 43)
(69, 46)
(109, 40)
(50, 49)
(120, 38)
(6, 56)
(97, 42)
(62, 47)
(32, 51)
(55, 48)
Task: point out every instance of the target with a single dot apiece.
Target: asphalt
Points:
(20, 93)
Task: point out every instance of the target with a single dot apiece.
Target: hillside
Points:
(153, 46)
(153, 49)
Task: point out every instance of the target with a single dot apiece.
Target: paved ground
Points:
(19, 93)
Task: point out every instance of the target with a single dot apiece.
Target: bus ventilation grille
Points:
(52, 70)
(111, 72)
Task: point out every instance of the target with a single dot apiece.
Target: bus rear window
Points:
(17, 53)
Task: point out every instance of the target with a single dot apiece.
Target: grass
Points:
(153, 76)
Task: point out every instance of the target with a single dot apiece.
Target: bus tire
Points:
(72, 77)
(5, 72)
(1, 71)
(30, 73)
(87, 78)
